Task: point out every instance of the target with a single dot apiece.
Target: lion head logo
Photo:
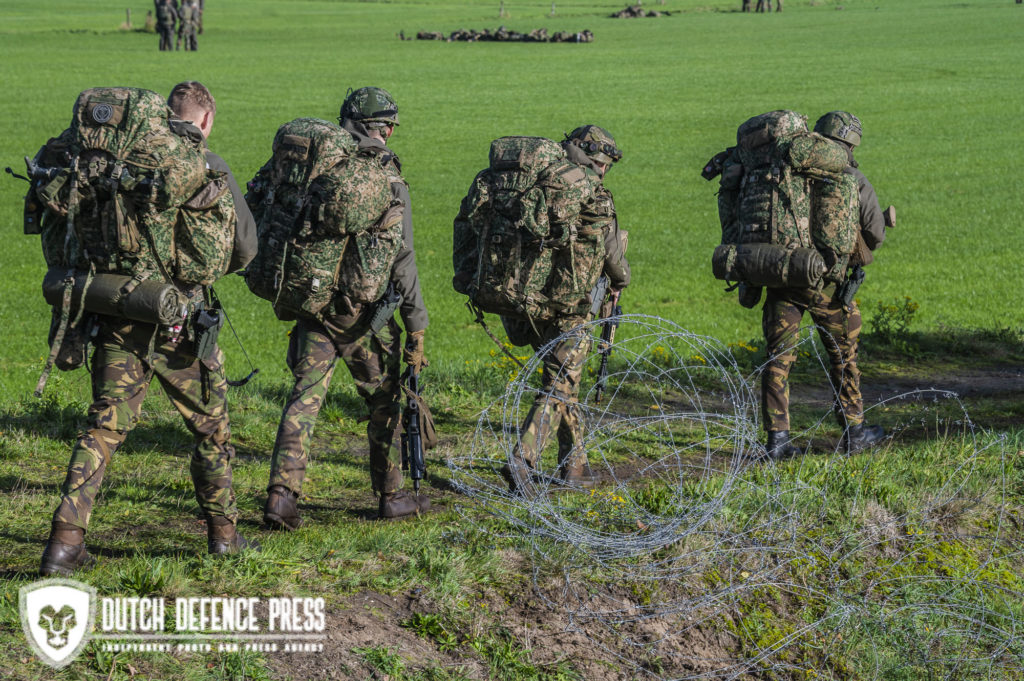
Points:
(57, 623)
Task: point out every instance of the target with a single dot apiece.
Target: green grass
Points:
(937, 86)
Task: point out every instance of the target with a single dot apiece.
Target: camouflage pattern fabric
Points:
(279, 197)
(373, 361)
(100, 210)
(205, 233)
(839, 331)
(835, 222)
(556, 406)
(515, 236)
(355, 199)
(122, 369)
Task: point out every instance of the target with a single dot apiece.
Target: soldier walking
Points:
(556, 407)
(838, 323)
(128, 355)
(370, 115)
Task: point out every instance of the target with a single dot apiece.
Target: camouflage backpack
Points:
(120, 191)
(326, 221)
(520, 247)
(784, 205)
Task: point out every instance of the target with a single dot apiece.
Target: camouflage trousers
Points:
(556, 406)
(122, 369)
(838, 330)
(373, 361)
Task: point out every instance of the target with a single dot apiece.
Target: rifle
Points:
(412, 441)
(608, 327)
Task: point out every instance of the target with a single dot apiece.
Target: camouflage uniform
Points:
(556, 405)
(838, 329)
(123, 367)
(373, 359)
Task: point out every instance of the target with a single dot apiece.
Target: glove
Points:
(412, 354)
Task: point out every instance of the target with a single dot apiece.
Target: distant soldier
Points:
(130, 354)
(188, 16)
(343, 332)
(556, 407)
(165, 14)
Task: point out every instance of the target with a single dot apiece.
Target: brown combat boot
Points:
(400, 504)
(518, 473)
(65, 551)
(281, 511)
(222, 538)
(576, 471)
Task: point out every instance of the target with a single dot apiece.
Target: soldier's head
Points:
(840, 125)
(598, 145)
(374, 107)
(191, 101)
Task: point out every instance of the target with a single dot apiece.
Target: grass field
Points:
(939, 90)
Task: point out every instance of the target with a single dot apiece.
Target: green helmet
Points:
(369, 105)
(840, 125)
(597, 143)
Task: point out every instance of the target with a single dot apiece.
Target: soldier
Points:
(370, 115)
(127, 356)
(838, 324)
(165, 14)
(188, 17)
(556, 405)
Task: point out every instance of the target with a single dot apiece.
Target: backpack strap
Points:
(480, 320)
(65, 323)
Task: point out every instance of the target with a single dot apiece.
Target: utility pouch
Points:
(848, 289)
(205, 328)
(384, 309)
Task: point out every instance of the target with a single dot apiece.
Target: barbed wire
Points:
(697, 557)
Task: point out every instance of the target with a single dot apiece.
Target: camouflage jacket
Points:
(872, 224)
(616, 267)
(245, 227)
(404, 274)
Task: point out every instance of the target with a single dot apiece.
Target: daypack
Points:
(784, 187)
(107, 194)
(326, 220)
(520, 247)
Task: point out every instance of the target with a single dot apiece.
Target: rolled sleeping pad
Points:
(770, 265)
(151, 302)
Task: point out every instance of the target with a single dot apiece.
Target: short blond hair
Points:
(190, 97)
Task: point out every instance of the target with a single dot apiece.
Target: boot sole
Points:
(276, 522)
(49, 569)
